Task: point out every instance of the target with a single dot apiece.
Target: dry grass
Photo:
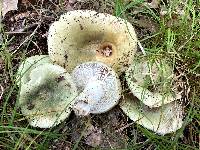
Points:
(163, 32)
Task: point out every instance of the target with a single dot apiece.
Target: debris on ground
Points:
(26, 29)
(9, 5)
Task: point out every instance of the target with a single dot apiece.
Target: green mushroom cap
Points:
(28, 65)
(151, 81)
(162, 120)
(47, 98)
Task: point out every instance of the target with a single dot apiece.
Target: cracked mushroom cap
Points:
(47, 98)
(28, 65)
(162, 120)
(99, 88)
(84, 35)
(151, 81)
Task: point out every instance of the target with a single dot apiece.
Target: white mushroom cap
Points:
(84, 35)
(159, 74)
(47, 98)
(99, 88)
(28, 65)
(162, 120)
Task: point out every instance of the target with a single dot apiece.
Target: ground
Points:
(165, 29)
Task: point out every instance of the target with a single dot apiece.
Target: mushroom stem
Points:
(93, 93)
(81, 108)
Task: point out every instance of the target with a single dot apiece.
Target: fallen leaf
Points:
(9, 5)
(0, 8)
(154, 4)
(147, 23)
(72, 1)
(93, 136)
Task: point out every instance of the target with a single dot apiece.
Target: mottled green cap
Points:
(151, 80)
(162, 120)
(25, 68)
(46, 99)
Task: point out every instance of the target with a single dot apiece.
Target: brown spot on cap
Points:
(81, 26)
(106, 49)
(60, 78)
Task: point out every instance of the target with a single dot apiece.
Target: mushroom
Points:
(157, 74)
(162, 120)
(28, 65)
(99, 88)
(84, 35)
(46, 99)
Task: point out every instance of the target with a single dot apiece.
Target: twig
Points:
(124, 127)
(23, 30)
(37, 46)
(141, 48)
(26, 39)
(26, 28)
(182, 46)
(16, 32)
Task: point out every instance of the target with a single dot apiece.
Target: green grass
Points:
(176, 42)
(176, 39)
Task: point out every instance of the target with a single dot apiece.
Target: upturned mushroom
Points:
(164, 119)
(47, 98)
(151, 81)
(99, 88)
(84, 35)
(28, 65)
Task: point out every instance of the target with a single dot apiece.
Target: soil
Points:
(31, 21)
